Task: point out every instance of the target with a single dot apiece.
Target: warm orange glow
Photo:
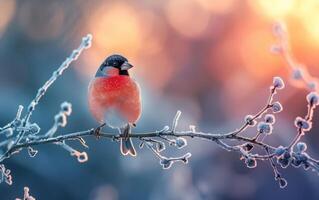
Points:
(116, 28)
(254, 50)
(273, 8)
(7, 10)
(187, 17)
(217, 6)
(120, 28)
(308, 13)
(305, 12)
(163, 38)
(153, 33)
(162, 68)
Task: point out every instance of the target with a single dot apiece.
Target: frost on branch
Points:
(270, 118)
(302, 124)
(276, 107)
(171, 138)
(21, 133)
(299, 73)
(278, 83)
(313, 99)
(26, 195)
(5, 175)
(264, 128)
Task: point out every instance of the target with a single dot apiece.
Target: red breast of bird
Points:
(115, 99)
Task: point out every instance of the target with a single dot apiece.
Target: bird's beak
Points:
(126, 66)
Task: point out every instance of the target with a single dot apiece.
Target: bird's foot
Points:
(97, 131)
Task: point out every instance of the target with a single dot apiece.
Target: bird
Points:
(115, 99)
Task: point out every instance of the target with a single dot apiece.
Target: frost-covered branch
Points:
(20, 130)
(156, 141)
(21, 133)
(300, 74)
(26, 195)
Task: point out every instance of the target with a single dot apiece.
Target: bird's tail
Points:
(127, 147)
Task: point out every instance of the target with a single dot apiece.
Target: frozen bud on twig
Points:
(282, 182)
(87, 41)
(75, 54)
(313, 85)
(66, 107)
(285, 159)
(296, 162)
(276, 107)
(32, 152)
(302, 123)
(301, 147)
(297, 73)
(31, 106)
(269, 118)
(81, 156)
(160, 146)
(5, 175)
(166, 163)
(186, 157)
(192, 128)
(278, 83)
(248, 147)
(249, 119)
(265, 128)
(26, 195)
(279, 29)
(250, 162)
(280, 150)
(33, 128)
(313, 98)
(60, 120)
(276, 49)
(180, 142)
(41, 91)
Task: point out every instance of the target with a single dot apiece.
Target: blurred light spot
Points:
(43, 20)
(154, 33)
(308, 13)
(235, 99)
(254, 51)
(139, 35)
(273, 8)
(187, 17)
(105, 192)
(7, 10)
(217, 6)
(117, 28)
(157, 73)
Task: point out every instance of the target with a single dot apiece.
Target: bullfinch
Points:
(114, 98)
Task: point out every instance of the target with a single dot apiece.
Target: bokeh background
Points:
(208, 58)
